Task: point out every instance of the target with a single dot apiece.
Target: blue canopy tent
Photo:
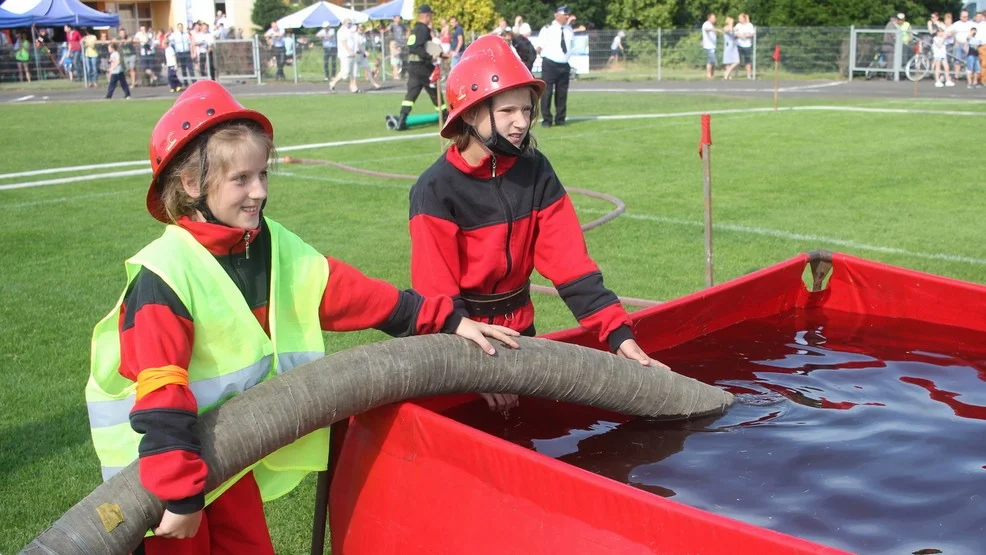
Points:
(403, 8)
(12, 20)
(52, 13)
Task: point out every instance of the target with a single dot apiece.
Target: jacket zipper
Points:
(510, 223)
(246, 242)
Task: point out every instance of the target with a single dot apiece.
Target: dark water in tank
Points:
(863, 433)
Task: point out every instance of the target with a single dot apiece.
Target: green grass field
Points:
(886, 186)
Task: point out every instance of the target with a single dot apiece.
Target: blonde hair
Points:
(465, 134)
(221, 145)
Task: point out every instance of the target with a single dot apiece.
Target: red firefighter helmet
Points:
(488, 67)
(202, 106)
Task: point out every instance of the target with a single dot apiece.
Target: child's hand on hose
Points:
(178, 526)
(630, 349)
(478, 332)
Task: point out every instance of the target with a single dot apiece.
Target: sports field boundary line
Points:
(787, 235)
(403, 137)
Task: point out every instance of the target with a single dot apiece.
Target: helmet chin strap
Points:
(499, 144)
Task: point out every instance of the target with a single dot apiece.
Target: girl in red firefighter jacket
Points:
(491, 210)
(224, 299)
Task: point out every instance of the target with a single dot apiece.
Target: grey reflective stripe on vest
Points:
(103, 414)
(287, 361)
(110, 471)
(110, 413)
(207, 393)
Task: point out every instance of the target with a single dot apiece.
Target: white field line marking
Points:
(22, 99)
(74, 179)
(810, 237)
(61, 199)
(750, 89)
(336, 181)
(75, 168)
(429, 135)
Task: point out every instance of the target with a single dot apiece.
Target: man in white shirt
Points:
(709, 45)
(960, 31)
(182, 43)
(555, 44)
(346, 41)
(745, 31)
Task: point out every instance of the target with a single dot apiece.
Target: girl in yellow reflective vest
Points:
(225, 299)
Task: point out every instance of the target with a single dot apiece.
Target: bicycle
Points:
(921, 63)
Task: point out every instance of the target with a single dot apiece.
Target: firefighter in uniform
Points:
(420, 67)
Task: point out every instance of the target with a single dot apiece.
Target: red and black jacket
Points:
(485, 229)
(157, 331)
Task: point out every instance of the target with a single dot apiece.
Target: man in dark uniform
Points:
(420, 66)
(555, 47)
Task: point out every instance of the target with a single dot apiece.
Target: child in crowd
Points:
(491, 210)
(972, 67)
(171, 60)
(225, 299)
(939, 53)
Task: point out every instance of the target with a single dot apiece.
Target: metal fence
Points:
(813, 52)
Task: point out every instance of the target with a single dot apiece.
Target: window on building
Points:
(132, 16)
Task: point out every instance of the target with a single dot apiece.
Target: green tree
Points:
(265, 11)
(641, 14)
(474, 15)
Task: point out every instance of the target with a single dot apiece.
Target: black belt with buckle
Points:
(496, 304)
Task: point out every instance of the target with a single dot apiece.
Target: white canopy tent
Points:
(319, 13)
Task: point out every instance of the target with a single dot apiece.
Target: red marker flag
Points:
(706, 134)
(777, 52)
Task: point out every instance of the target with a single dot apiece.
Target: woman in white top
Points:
(744, 32)
(939, 52)
(363, 58)
(730, 53)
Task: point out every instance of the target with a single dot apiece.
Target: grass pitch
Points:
(891, 187)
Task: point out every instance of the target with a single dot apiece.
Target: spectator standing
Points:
(74, 39)
(171, 61)
(275, 37)
(347, 56)
(521, 27)
(397, 33)
(905, 28)
(457, 40)
(939, 52)
(146, 45)
(201, 40)
(745, 32)
(555, 42)
(972, 66)
(128, 50)
(522, 47)
(220, 20)
(501, 27)
(181, 41)
(22, 57)
(115, 74)
(935, 24)
(92, 58)
(445, 37)
(615, 49)
(959, 31)
(730, 51)
(709, 39)
(330, 49)
(363, 58)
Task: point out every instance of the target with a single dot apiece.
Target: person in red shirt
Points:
(74, 39)
(491, 210)
(209, 157)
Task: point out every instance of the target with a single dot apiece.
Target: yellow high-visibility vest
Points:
(231, 352)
